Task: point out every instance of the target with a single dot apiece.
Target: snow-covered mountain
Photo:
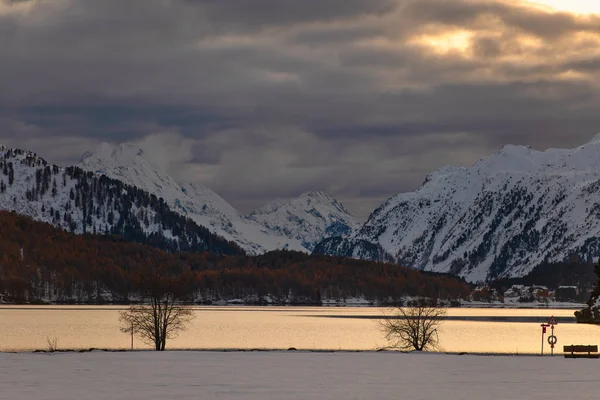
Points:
(295, 224)
(309, 218)
(500, 217)
(126, 163)
(86, 202)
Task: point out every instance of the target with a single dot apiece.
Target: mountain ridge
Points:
(309, 217)
(500, 217)
(86, 202)
(277, 225)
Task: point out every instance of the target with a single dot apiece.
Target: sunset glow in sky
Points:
(574, 6)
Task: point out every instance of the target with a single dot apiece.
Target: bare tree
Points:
(413, 328)
(162, 315)
(156, 322)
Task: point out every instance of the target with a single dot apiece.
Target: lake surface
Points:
(473, 330)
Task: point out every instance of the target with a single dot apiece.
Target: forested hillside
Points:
(39, 262)
(85, 202)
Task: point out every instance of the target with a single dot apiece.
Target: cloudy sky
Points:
(260, 99)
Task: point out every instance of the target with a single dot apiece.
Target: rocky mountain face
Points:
(294, 224)
(81, 202)
(307, 218)
(498, 218)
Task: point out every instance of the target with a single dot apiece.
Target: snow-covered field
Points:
(292, 375)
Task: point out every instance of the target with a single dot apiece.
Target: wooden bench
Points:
(581, 351)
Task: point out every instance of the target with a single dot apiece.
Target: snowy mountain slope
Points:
(85, 202)
(500, 217)
(126, 162)
(309, 218)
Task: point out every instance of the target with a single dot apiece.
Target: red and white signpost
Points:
(552, 339)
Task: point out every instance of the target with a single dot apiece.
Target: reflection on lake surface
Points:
(326, 328)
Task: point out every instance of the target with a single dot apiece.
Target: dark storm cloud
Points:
(268, 98)
(16, 2)
(265, 13)
(113, 120)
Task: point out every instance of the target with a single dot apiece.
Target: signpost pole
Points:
(552, 345)
(552, 340)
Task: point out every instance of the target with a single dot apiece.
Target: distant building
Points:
(575, 288)
(566, 293)
(526, 294)
(516, 291)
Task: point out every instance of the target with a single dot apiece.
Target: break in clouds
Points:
(267, 98)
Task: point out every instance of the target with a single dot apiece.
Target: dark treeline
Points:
(39, 262)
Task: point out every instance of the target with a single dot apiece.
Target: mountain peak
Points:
(109, 155)
(310, 217)
(307, 199)
(316, 193)
(317, 196)
(513, 149)
(33, 158)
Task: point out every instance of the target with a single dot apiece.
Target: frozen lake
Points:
(467, 330)
(292, 375)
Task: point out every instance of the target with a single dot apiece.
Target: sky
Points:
(259, 99)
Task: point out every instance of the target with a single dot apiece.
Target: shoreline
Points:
(516, 306)
(291, 350)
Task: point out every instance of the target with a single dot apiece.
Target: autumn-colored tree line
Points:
(39, 262)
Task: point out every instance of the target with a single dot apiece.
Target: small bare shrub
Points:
(52, 344)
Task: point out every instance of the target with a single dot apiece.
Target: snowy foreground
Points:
(292, 375)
